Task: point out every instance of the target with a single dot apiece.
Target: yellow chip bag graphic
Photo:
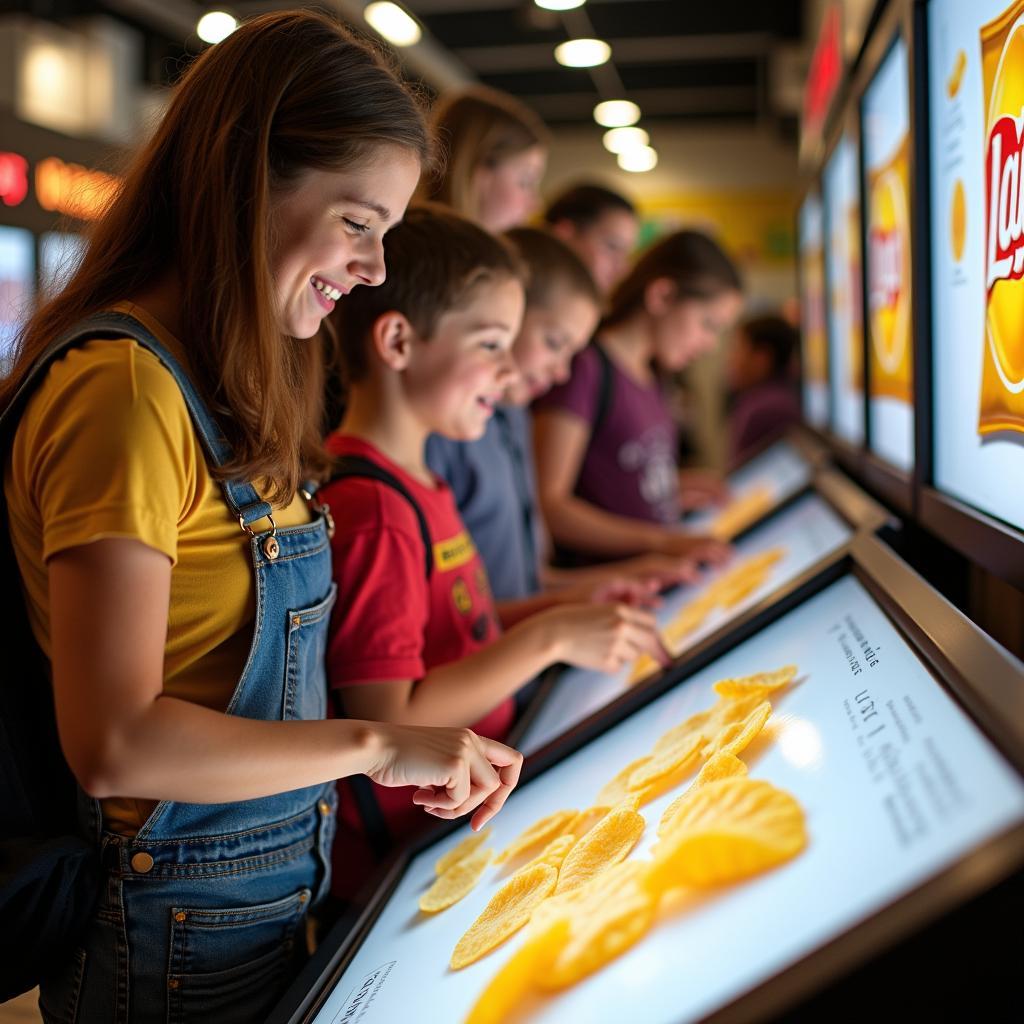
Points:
(464, 849)
(719, 766)
(1002, 380)
(538, 834)
(608, 842)
(888, 211)
(510, 908)
(728, 831)
(956, 76)
(742, 512)
(519, 975)
(958, 220)
(737, 736)
(760, 684)
(456, 882)
(616, 790)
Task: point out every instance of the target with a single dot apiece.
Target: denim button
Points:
(325, 807)
(271, 548)
(142, 862)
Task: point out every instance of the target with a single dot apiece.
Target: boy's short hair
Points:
(583, 205)
(774, 335)
(434, 259)
(551, 265)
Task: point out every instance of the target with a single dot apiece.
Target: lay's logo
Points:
(1002, 385)
(889, 277)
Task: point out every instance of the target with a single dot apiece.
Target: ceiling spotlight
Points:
(393, 23)
(215, 26)
(582, 53)
(616, 113)
(638, 160)
(618, 140)
(559, 5)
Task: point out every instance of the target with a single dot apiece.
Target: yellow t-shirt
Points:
(106, 448)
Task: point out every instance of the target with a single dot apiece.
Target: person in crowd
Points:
(493, 479)
(496, 155)
(600, 225)
(605, 441)
(415, 636)
(176, 575)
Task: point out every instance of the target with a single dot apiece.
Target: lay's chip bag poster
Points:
(976, 97)
(886, 140)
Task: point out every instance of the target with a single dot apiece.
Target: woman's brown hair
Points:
(478, 128)
(696, 264)
(284, 93)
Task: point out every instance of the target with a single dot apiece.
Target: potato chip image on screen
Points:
(889, 277)
(1002, 381)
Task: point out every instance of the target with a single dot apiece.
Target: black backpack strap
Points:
(359, 466)
(604, 388)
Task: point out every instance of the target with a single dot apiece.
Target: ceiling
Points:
(685, 62)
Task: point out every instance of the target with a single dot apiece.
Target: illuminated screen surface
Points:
(17, 285)
(806, 531)
(976, 93)
(814, 343)
(841, 184)
(896, 783)
(885, 111)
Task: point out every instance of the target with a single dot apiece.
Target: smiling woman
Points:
(160, 417)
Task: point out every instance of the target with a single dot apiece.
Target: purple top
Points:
(761, 412)
(630, 465)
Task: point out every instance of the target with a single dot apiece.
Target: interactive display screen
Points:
(885, 131)
(60, 252)
(843, 270)
(893, 783)
(761, 484)
(798, 537)
(17, 286)
(814, 342)
(976, 95)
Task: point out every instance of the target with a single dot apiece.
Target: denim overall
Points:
(202, 917)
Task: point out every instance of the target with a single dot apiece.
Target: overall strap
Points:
(242, 498)
(604, 387)
(346, 466)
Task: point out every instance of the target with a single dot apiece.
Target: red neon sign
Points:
(13, 178)
(826, 70)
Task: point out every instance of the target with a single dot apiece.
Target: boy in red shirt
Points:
(415, 638)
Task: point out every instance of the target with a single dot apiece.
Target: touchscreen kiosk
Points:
(841, 185)
(885, 131)
(766, 559)
(889, 787)
(814, 343)
(976, 97)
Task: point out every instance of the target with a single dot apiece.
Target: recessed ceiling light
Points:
(215, 26)
(638, 160)
(393, 23)
(618, 140)
(583, 53)
(559, 5)
(616, 113)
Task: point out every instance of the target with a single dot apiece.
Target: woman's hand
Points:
(455, 770)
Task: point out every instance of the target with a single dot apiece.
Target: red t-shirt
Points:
(391, 622)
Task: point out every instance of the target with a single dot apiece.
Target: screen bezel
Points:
(986, 540)
(982, 678)
(811, 191)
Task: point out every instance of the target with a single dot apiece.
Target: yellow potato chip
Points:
(760, 684)
(608, 842)
(456, 882)
(540, 833)
(597, 938)
(464, 849)
(735, 737)
(741, 512)
(520, 973)
(554, 853)
(688, 621)
(731, 596)
(615, 883)
(643, 667)
(587, 819)
(509, 909)
(617, 789)
(719, 766)
(763, 559)
(727, 831)
(667, 768)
